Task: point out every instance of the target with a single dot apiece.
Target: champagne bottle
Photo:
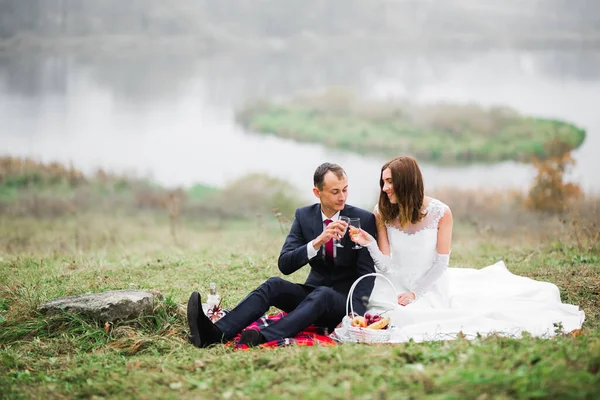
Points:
(213, 298)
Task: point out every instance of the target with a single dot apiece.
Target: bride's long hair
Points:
(409, 189)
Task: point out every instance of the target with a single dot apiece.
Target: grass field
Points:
(67, 357)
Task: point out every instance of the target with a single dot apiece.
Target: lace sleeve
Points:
(382, 262)
(424, 283)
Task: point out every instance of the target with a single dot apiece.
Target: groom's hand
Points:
(335, 230)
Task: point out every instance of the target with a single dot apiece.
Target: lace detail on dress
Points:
(435, 211)
(424, 283)
(382, 262)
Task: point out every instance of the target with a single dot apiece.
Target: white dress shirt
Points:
(310, 248)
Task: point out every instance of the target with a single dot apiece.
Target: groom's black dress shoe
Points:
(252, 337)
(203, 332)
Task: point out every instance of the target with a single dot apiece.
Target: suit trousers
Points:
(305, 305)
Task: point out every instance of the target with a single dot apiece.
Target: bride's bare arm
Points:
(444, 236)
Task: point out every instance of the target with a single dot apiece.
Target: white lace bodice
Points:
(413, 250)
(435, 211)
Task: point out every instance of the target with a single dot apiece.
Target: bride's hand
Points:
(406, 298)
(363, 238)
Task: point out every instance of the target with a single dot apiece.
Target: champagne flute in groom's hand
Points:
(337, 242)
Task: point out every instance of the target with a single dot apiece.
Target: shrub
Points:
(254, 194)
(549, 192)
(22, 172)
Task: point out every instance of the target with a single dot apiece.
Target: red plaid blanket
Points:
(311, 336)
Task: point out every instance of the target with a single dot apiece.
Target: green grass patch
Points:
(442, 133)
(200, 192)
(67, 356)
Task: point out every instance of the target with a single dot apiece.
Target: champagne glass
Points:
(337, 242)
(355, 231)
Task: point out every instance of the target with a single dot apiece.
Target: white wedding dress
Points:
(472, 302)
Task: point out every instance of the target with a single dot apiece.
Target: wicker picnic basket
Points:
(349, 333)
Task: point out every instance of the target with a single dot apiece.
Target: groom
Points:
(321, 300)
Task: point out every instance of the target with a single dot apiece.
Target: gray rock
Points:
(107, 306)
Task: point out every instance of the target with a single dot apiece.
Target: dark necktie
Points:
(329, 245)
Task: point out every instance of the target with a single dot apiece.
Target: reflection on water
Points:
(172, 118)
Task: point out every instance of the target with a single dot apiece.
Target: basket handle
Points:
(351, 292)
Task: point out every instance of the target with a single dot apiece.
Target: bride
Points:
(434, 302)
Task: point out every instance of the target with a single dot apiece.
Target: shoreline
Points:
(203, 45)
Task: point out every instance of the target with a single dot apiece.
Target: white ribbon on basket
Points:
(356, 334)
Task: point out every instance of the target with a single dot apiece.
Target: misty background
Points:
(150, 88)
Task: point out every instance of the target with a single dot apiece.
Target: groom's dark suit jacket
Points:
(348, 264)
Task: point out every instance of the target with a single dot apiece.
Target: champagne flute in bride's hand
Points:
(337, 242)
(354, 226)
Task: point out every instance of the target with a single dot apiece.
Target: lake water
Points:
(172, 118)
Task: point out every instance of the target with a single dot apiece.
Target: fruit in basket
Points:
(372, 318)
(381, 324)
(359, 321)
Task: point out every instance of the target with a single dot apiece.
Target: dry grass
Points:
(32, 189)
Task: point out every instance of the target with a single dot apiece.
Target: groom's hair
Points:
(323, 169)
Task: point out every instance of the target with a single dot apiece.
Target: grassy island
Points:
(444, 133)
